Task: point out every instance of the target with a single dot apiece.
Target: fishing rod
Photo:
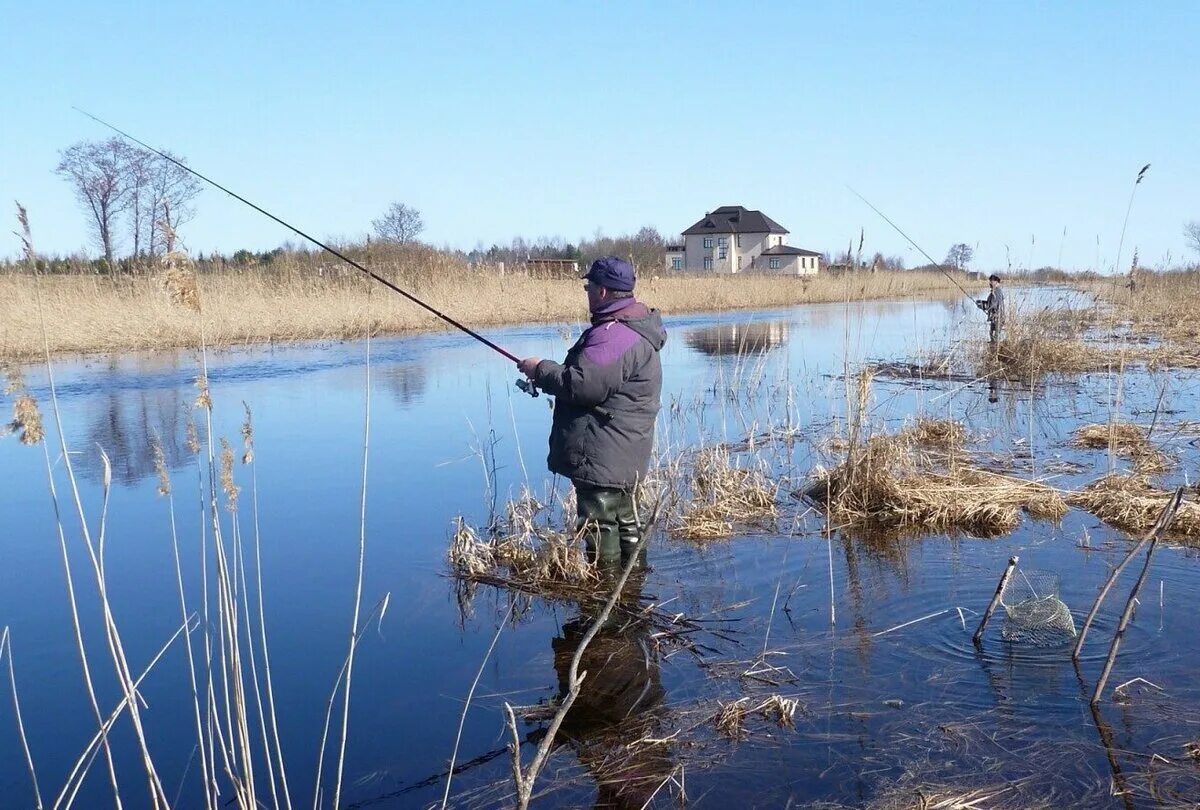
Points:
(528, 388)
(914, 244)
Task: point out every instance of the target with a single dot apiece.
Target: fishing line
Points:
(914, 244)
(494, 347)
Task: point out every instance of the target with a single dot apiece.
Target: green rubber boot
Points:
(607, 519)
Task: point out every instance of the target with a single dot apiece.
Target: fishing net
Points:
(1034, 613)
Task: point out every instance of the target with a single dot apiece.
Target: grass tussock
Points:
(724, 495)
(1131, 503)
(1127, 440)
(88, 313)
(918, 479)
(521, 553)
(1043, 344)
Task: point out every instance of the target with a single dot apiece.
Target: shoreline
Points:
(90, 316)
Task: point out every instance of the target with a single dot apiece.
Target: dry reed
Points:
(1124, 439)
(730, 719)
(101, 313)
(1129, 502)
(522, 552)
(916, 479)
(724, 495)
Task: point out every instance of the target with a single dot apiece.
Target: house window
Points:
(722, 252)
(708, 262)
(677, 263)
(739, 262)
(739, 240)
(722, 241)
(775, 263)
(708, 242)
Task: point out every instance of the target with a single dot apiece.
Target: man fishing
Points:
(606, 400)
(993, 305)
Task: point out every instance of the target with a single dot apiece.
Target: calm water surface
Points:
(919, 705)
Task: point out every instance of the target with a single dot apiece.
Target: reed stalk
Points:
(6, 645)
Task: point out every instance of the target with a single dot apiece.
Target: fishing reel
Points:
(528, 387)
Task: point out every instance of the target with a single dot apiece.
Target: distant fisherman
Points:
(993, 305)
(606, 400)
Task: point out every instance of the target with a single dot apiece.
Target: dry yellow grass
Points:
(916, 480)
(1126, 440)
(1160, 309)
(724, 494)
(1044, 343)
(102, 314)
(1131, 503)
(522, 553)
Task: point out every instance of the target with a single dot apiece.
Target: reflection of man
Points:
(619, 703)
(606, 400)
(993, 306)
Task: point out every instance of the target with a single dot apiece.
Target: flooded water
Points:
(878, 707)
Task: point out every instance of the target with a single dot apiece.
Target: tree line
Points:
(135, 200)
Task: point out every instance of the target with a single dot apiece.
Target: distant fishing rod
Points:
(914, 244)
(318, 243)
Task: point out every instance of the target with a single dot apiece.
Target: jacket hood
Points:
(645, 321)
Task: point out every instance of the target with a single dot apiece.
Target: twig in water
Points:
(525, 779)
(915, 621)
(1164, 520)
(991, 608)
(1128, 612)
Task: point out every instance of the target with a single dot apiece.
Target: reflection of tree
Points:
(405, 382)
(738, 338)
(126, 423)
(620, 703)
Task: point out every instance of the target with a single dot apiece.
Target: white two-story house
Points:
(734, 239)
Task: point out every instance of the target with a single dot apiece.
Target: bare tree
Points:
(960, 256)
(1191, 234)
(172, 190)
(137, 170)
(98, 172)
(400, 224)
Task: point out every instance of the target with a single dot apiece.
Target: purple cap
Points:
(613, 273)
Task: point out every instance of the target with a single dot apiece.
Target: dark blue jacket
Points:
(606, 397)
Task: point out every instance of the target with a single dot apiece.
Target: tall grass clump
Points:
(921, 479)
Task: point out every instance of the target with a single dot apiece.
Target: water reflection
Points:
(126, 423)
(620, 703)
(405, 382)
(738, 338)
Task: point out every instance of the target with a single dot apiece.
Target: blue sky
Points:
(992, 124)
